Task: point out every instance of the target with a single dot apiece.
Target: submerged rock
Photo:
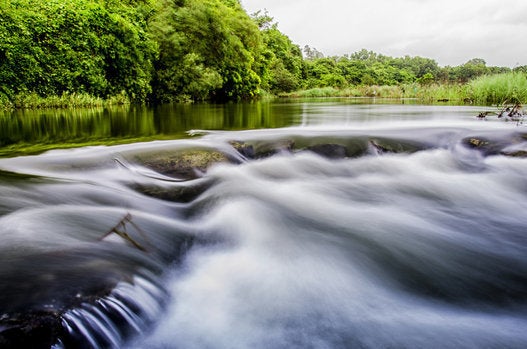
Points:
(246, 150)
(30, 330)
(515, 154)
(180, 193)
(188, 164)
(62, 294)
(386, 145)
(491, 145)
(331, 151)
(270, 148)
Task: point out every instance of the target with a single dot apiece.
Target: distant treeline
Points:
(172, 50)
(370, 68)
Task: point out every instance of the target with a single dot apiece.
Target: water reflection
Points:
(176, 119)
(33, 131)
(74, 125)
(97, 125)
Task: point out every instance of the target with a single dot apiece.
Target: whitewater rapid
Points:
(413, 238)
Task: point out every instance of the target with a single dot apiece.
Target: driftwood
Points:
(120, 230)
(508, 111)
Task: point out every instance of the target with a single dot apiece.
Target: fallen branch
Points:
(120, 230)
(512, 111)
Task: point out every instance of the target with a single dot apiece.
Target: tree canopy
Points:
(98, 47)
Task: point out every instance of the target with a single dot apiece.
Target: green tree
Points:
(56, 47)
(352, 70)
(426, 79)
(522, 69)
(281, 65)
(208, 49)
(468, 71)
(312, 53)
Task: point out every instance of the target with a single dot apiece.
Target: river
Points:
(306, 224)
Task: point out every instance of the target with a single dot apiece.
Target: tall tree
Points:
(54, 47)
(208, 49)
(281, 63)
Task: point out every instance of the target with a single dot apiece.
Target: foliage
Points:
(357, 91)
(208, 49)
(366, 68)
(435, 92)
(281, 64)
(500, 88)
(76, 46)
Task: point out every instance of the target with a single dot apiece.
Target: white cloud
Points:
(449, 31)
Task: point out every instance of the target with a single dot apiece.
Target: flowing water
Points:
(337, 225)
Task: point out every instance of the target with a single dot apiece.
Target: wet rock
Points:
(267, 149)
(183, 193)
(516, 154)
(488, 145)
(380, 146)
(477, 143)
(246, 150)
(331, 151)
(188, 164)
(33, 330)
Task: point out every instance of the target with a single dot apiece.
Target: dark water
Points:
(334, 225)
(34, 130)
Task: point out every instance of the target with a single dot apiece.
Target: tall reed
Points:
(500, 88)
(353, 91)
(437, 92)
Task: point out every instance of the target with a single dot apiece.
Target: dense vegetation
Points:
(67, 52)
(56, 47)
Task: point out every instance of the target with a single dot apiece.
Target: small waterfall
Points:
(128, 311)
(387, 233)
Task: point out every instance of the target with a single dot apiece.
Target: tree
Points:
(281, 65)
(521, 68)
(470, 70)
(208, 50)
(312, 53)
(426, 79)
(88, 46)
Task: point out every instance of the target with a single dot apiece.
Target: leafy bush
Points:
(77, 46)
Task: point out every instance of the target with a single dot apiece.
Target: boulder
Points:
(188, 164)
(331, 151)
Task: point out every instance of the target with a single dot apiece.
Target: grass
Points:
(31, 100)
(356, 91)
(488, 89)
(500, 88)
(425, 93)
(437, 92)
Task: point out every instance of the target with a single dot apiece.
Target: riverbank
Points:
(66, 100)
(498, 89)
(486, 90)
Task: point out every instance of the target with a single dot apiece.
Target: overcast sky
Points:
(449, 31)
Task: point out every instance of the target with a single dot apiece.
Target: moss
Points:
(516, 154)
(188, 164)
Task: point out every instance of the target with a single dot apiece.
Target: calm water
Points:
(33, 131)
(335, 224)
(21, 129)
